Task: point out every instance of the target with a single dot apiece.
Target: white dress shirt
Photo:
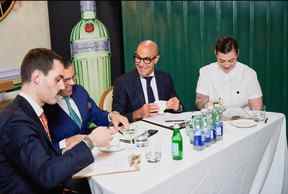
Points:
(36, 107)
(235, 87)
(61, 102)
(153, 86)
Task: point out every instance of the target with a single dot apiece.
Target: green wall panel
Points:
(186, 32)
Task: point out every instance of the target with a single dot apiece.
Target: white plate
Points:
(243, 123)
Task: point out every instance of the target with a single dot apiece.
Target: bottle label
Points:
(219, 128)
(84, 46)
(175, 149)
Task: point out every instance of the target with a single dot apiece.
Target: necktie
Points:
(44, 122)
(150, 94)
(72, 113)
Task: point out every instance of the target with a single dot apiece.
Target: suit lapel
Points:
(160, 89)
(27, 108)
(79, 105)
(139, 89)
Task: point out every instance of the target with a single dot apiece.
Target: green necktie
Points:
(72, 113)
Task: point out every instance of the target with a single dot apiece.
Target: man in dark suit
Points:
(70, 116)
(135, 92)
(28, 162)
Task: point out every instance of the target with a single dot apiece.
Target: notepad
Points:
(110, 163)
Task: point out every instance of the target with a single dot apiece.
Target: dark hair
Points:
(67, 64)
(38, 59)
(226, 44)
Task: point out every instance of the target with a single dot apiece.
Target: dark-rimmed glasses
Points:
(146, 60)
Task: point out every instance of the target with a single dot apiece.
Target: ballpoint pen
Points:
(169, 121)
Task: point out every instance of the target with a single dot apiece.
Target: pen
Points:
(120, 132)
(266, 120)
(168, 121)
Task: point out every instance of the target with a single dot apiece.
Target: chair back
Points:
(105, 102)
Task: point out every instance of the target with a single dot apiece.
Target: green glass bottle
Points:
(177, 144)
(90, 51)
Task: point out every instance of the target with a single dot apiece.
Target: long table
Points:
(247, 160)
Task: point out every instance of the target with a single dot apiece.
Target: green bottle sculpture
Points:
(90, 51)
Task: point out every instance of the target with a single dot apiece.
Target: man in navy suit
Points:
(28, 162)
(66, 130)
(135, 92)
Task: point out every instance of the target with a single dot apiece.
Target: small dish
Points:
(243, 123)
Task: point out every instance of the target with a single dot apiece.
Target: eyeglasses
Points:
(146, 60)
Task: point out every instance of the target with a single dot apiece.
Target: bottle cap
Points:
(87, 6)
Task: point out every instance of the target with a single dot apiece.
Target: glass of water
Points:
(259, 115)
(141, 138)
(129, 134)
(154, 150)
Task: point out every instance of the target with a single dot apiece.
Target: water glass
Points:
(259, 115)
(130, 134)
(141, 138)
(153, 151)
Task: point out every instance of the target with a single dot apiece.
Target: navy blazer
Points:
(28, 162)
(128, 94)
(62, 126)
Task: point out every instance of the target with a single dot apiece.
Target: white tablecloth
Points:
(247, 160)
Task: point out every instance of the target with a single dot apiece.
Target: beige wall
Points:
(26, 27)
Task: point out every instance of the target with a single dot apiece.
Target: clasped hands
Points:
(152, 108)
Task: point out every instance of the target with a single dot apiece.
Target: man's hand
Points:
(145, 111)
(173, 103)
(117, 119)
(70, 142)
(101, 136)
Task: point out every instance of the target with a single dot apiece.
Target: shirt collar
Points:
(151, 75)
(36, 107)
(232, 72)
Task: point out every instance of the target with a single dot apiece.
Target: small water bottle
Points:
(211, 126)
(198, 140)
(177, 143)
(218, 124)
(205, 127)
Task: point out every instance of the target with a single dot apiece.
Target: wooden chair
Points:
(5, 85)
(105, 102)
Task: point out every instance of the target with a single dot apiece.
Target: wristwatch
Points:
(88, 142)
(109, 115)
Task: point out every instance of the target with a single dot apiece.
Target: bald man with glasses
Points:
(135, 93)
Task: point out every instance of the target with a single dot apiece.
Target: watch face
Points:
(5, 8)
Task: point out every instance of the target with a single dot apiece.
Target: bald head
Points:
(146, 57)
(148, 45)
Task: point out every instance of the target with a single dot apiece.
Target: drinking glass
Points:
(259, 115)
(129, 134)
(141, 138)
(154, 150)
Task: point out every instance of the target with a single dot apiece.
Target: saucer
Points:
(243, 123)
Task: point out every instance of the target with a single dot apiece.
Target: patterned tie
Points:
(72, 113)
(44, 122)
(149, 89)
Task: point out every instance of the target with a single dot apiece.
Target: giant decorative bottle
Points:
(90, 51)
